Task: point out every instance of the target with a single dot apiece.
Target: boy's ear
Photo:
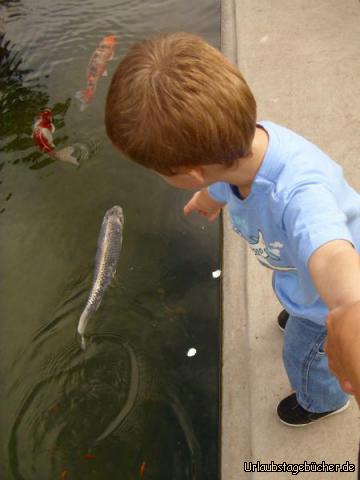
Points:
(198, 173)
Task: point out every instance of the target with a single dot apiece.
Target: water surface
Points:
(134, 403)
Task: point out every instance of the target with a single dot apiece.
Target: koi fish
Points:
(64, 475)
(142, 470)
(90, 456)
(97, 67)
(107, 255)
(43, 138)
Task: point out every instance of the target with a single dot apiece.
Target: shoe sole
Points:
(318, 420)
(280, 327)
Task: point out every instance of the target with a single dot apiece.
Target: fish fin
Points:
(83, 343)
(114, 280)
(46, 134)
(66, 155)
(105, 73)
(81, 96)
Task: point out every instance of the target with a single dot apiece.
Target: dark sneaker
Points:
(282, 319)
(293, 415)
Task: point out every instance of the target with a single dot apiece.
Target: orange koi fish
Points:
(97, 67)
(142, 470)
(64, 475)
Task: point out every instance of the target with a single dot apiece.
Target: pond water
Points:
(138, 403)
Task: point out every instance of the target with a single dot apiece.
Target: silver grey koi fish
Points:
(107, 255)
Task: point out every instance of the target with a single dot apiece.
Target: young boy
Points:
(179, 108)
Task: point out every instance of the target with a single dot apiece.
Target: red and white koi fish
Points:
(97, 67)
(42, 136)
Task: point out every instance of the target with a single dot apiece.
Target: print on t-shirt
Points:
(264, 253)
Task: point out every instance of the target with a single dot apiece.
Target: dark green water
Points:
(56, 400)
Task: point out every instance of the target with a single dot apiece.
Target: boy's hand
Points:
(343, 346)
(202, 203)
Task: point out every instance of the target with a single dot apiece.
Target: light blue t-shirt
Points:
(299, 200)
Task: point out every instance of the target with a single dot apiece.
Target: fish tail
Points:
(66, 155)
(84, 318)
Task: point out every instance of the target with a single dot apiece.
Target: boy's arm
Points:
(335, 270)
(343, 346)
(202, 203)
(320, 235)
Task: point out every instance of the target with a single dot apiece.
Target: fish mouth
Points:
(45, 113)
(110, 40)
(117, 212)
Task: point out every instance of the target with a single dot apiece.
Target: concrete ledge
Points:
(236, 405)
(301, 59)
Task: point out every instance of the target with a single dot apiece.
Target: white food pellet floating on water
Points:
(216, 274)
(191, 352)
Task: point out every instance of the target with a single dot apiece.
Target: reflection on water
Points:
(134, 405)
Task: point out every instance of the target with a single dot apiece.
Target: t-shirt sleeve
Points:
(217, 191)
(311, 218)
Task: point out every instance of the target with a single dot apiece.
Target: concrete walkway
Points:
(302, 61)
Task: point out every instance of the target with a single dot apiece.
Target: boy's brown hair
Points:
(175, 102)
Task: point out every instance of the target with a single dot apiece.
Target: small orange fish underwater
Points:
(64, 475)
(97, 67)
(142, 470)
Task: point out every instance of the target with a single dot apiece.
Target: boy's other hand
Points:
(204, 205)
(343, 346)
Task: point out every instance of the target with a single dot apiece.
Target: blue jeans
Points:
(317, 390)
